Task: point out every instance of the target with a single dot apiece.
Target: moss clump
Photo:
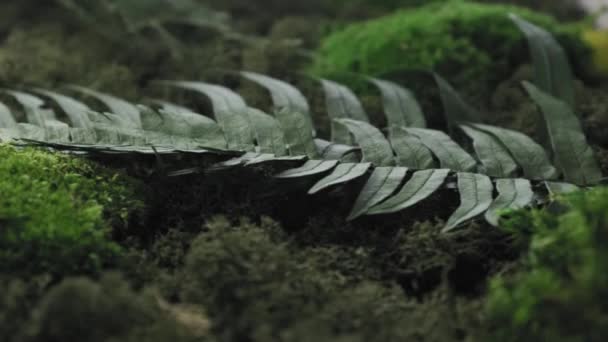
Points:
(252, 284)
(258, 284)
(562, 296)
(17, 300)
(52, 212)
(456, 35)
(47, 55)
(57, 49)
(474, 45)
(108, 310)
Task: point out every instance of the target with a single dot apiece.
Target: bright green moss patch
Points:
(464, 41)
(52, 212)
(562, 296)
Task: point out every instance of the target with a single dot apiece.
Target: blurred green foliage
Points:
(561, 295)
(38, 56)
(456, 38)
(52, 212)
(18, 298)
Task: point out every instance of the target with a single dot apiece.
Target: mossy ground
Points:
(56, 209)
(230, 258)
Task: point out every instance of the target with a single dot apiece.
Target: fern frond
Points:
(400, 168)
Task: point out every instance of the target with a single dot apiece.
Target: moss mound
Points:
(259, 284)
(255, 282)
(561, 294)
(50, 46)
(83, 309)
(38, 56)
(473, 44)
(56, 212)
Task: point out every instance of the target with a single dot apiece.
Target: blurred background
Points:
(120, 46)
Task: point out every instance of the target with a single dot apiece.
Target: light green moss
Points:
(52, 211)
(464, 41)
(562, 295)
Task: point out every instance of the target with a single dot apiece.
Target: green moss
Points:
(254, 286)
(436, 36)
(17, 300)
(52, 211)
(107, 310)
(47, 55)
(562, 295)
(58, 50)
(474, 45)
(242, 265)
(259, 284)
